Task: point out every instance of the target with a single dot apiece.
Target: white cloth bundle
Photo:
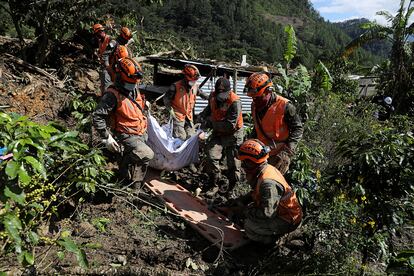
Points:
(170, 153)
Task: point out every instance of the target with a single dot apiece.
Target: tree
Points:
(397, 77)
(54, 20)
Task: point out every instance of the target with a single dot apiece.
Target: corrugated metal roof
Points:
(209, 86)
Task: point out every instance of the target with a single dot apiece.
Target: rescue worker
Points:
(107, 46)
(224, 115)
(124, 37)
(123, 106)
(276, 122)
(385, 107)
(120, 52)
(271, 208)
(180, 101)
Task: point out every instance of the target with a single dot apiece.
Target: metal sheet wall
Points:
(209, 86)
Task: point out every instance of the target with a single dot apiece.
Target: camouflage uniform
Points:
(136, 154)
(104, 75)
(294, 124)
(182, 130)
(223, 142)
(262, 223)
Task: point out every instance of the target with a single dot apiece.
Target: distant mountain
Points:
(227, 29)
(352, 28)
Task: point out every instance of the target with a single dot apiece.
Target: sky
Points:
(340, 10)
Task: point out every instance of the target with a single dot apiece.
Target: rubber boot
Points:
(137, 174)
(214, 184)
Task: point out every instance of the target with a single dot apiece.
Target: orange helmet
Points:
(253, 150)
(121, 52)
(257, 83)
(129, 70)
(191, 72)
(125, 33)
(97, 28)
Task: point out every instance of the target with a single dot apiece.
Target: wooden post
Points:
(235, 81)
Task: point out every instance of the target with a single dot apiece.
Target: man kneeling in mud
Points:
(271, 208)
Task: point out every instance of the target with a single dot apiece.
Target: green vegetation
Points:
(49, 167)
(352, 174)
(228, 29)
(222, 30)
(396, 74)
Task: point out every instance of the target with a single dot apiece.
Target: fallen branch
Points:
(182, 52)
(144, 58)
(36, 69)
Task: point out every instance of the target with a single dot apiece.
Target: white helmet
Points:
(388, 100)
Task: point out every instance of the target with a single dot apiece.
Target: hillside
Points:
(221, 30)
(353, 29)
(64, 205)
(227, 29)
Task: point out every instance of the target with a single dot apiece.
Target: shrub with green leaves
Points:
(49, 166)
(81, 108)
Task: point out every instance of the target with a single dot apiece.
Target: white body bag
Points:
(170, 153)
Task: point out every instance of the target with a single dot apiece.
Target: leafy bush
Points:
(81, 108)
(49, 166)
(382, 161)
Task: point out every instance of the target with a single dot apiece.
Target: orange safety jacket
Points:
(112, 68)
(288, 208)
(272, 130)
(128, 118)
(219, 114)
(184, 101)
(102, 47)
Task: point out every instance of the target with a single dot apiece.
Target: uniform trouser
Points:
(183, 129)
(216, 149)
(135, 158)
(105, 78)
(266, 230)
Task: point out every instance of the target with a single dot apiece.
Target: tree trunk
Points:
(16, 22)
(43, 35)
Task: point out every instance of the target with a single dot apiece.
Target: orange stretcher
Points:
(211, 224)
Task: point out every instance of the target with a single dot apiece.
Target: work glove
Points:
(283, 161)
(111, 144)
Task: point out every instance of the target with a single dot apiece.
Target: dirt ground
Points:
(121, 233)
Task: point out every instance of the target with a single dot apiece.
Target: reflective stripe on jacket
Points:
(273, 123)
(184, 101)
(128, 118)
(219, 114)
(288, 208)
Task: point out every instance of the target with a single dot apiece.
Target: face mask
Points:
(262, 102)
(191, 83)
(129, 86)
(249, 167)
(223, 96)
